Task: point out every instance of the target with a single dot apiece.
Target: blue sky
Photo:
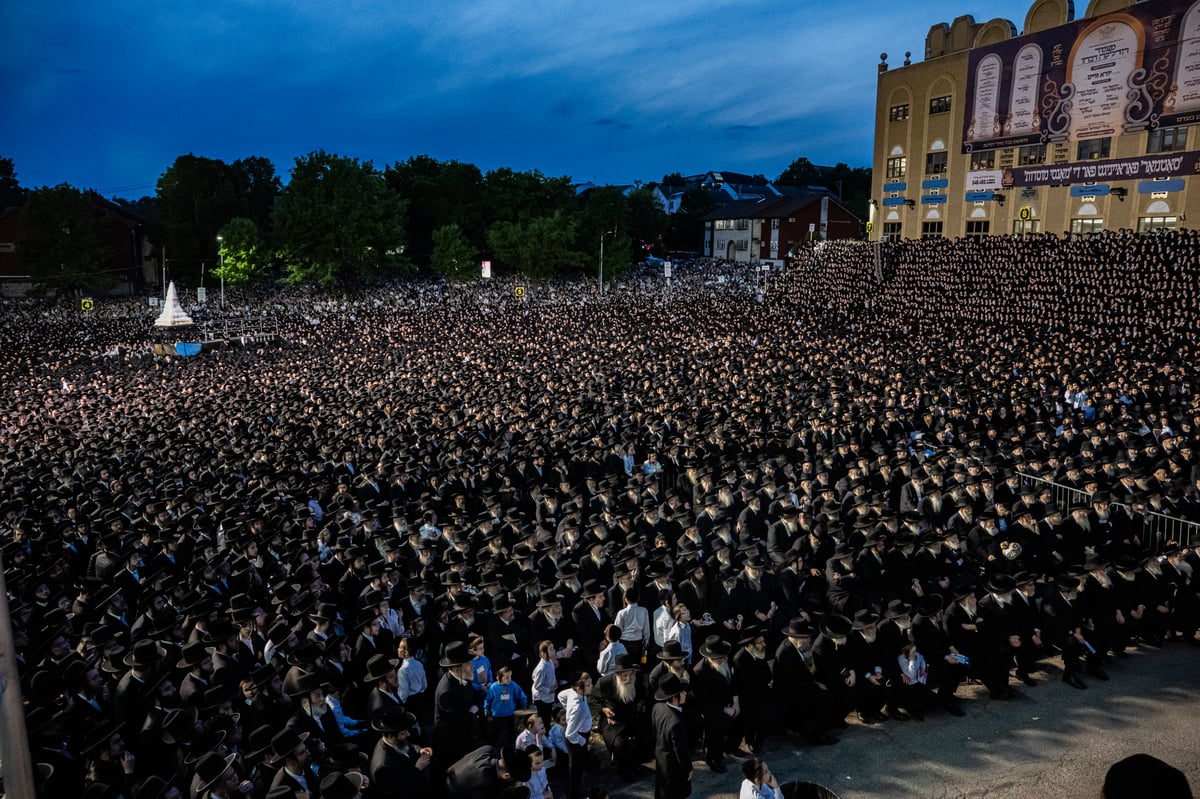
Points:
(106, 95)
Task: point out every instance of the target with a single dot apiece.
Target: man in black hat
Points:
(1001, 621)
(381, 676)
(485, 772)
(1063, 627)
(713, 687)
(590, 620)
(752, 682)
(622, 699)
(672, 754)
(834, 668)
(805, 703)
(456, 707)
(399, 769)
(295, 771)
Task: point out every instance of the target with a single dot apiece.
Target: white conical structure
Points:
(172, 315)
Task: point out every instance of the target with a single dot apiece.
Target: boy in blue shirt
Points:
(504, 698)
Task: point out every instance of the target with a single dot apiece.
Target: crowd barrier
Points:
(1156, 528)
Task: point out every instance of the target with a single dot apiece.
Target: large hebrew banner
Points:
(1133, 70)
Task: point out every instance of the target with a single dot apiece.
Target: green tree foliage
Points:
(196, 196)
(257, 188)
(11, 193)
(539, 248)
(851, 184)
(648, 222)
(64, 244)
(438, 193)
(453, 255)
(675, 180)
(686, 230)
(605, 211)
(510, 196)
(243, 258)
(337, 219)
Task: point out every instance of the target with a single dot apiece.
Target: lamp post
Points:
(221, 269)
(602, 235)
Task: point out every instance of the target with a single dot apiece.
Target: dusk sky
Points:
(106, 95)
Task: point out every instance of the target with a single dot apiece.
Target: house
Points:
(131, 261)
(764, 230)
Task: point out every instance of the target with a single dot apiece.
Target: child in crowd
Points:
(481, 667)
(504, 698)
(558, 739)
(607, 662)
(538, 782)
(545, 680)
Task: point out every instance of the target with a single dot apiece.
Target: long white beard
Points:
(725, 671)
(626, 692)
(869, 637)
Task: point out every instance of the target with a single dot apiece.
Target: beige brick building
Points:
(1069, 124)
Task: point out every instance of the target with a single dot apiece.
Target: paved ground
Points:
(1051, 742)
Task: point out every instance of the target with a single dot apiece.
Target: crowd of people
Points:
(447, 540)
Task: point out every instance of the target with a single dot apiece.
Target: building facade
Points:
(1071, 125)
(765, 231)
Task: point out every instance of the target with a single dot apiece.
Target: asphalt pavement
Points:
(1048, 742)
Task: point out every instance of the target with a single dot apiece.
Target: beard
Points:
(626, 692)
(724, 671)
(757, 652)
(869, 637)
(679, 669)
(553, 617)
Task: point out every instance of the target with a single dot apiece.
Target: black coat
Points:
(672, 757)
(394, 773)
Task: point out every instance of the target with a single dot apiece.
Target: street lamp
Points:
(221, 271)
(602, 235)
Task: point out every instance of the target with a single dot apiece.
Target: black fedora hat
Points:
(1001, 584)
(342, 785)
(715, 647)
(668, 687)
(836, 625)
(379, 667)
(456, 653)
(624, 662)
(897, 608)
(393, 720)
(210, 769)
(798, 628)
(671, 650)
(865, 618)
(145, 655)
(284, 742)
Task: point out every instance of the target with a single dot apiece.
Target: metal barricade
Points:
(1156, 529)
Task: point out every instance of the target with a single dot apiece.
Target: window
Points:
(774, 245)
(774, 224)
(7, 246)
(984, 160)
(898, 113)
(1021, 226)
(935, 163)
(940, 105)
(891, 230)
(1089, 225)
(897, 167)
(742, 244)
(1092, 149)
(1149, 224)
(977, 228)
(1167, 140)
(931, 230)
(743, 224)
(1033, 154)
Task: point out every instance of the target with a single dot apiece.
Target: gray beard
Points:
(626, 693)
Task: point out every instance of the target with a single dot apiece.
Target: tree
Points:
(687, 225)
(438, 193)
(800, 172)
(64, 243)
(539, 248)
(196, 197)
(257, 188)
(337, 218)
(243, 259)
(648, 221)
(11, 193)
(453, 255)
(510, 196)
(674, 180)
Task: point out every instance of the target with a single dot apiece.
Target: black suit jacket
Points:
(394, 773)
(672, 757)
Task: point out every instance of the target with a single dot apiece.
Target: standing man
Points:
(672, 757)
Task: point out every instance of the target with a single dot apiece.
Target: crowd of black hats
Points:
(200, 552)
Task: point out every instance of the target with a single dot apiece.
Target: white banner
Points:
(487, 268)
(984, 180)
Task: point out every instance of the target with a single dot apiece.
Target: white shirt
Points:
(751, 791)
(579, 716)
(634, 621)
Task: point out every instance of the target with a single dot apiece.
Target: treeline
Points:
(339, 219)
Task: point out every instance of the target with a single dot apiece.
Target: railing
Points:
(245, 328)
(1156, 528)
